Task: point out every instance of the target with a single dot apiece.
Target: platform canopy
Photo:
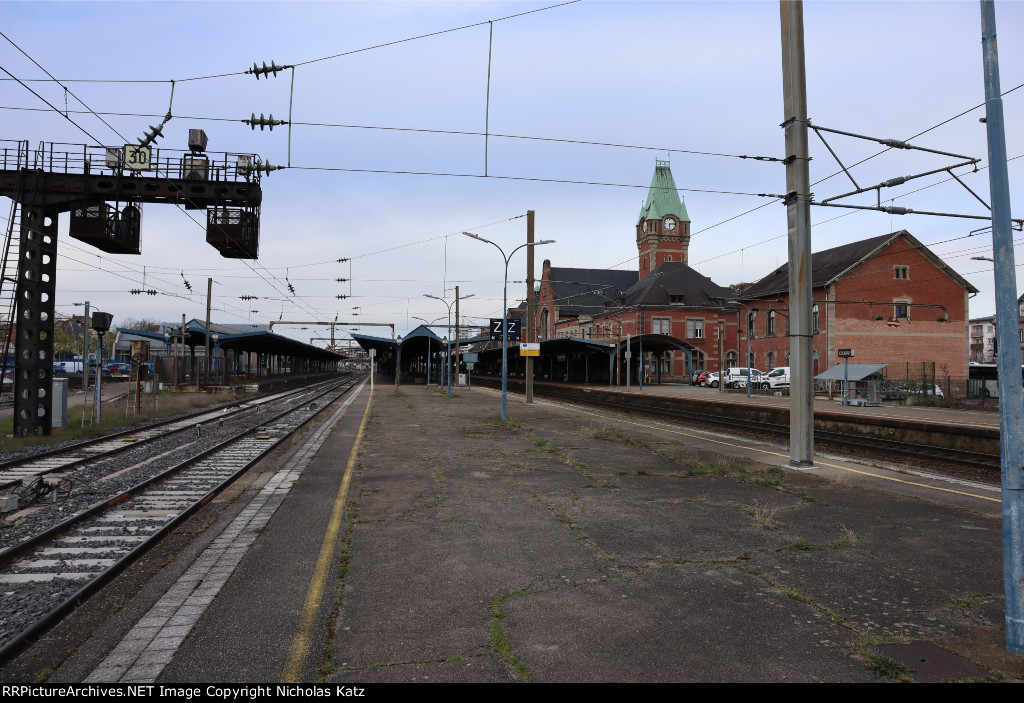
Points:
(853, 372)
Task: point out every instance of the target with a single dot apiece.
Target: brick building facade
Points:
(882, 296)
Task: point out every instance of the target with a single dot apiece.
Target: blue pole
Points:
(1011, 395)
(504, 340)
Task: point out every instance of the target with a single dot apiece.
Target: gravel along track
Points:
(119, 503)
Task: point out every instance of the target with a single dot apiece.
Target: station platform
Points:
(416, 537)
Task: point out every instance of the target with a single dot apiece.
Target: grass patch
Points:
(113, 418)
(848, 539)
(499, 643)
(800, 545)
(764, 516)
(881, 665)
(963, 605)
(508, 424)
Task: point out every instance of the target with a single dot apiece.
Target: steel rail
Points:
(25, 638)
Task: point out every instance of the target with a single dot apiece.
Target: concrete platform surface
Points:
(569, 544)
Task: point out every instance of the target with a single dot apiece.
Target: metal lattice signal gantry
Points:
(104, 189)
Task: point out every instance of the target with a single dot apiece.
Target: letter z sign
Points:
(514, 330)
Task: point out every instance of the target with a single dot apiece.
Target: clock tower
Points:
(663, 228)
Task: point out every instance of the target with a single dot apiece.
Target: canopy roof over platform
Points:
(854, 372)
(228, 337)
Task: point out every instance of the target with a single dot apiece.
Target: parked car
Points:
(118, 368)
(776, 378)
(710, 380)
(58, 369)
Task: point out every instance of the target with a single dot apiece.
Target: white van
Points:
(776, 378)
(737, 377)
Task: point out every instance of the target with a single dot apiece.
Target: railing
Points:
(59, 157)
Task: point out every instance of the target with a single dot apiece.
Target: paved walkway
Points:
(573, 545)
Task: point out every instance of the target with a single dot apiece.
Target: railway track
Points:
(974, 461)
(45, 575)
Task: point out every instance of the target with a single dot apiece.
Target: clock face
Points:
(670, 223)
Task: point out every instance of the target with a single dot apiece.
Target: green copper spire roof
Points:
(663, 198)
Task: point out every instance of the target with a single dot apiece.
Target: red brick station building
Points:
(888, 297)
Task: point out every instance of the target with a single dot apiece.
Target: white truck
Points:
(776, 378)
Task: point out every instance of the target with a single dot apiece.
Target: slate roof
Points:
(662, 197)
(830, 265)
(585, 291)
(670, 280)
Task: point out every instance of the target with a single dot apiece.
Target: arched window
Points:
(750, 323)
(815, 320)
(771, 360)
(730, 359)
(770, 325)
(698, 360)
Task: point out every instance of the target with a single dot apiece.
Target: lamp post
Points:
(750, 329)
(448, 305)
(447, 365)
(504, 315)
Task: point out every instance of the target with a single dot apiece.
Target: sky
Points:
(639, 81)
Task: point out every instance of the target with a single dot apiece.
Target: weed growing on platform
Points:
(963, 605)
(509, 424)
(499, 642)
(764, 516)
(847, 540)
(881, 665)
(800, 545)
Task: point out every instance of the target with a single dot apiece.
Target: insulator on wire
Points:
(262, 122)
(341, 297)
(266, 70)
(265, 168)
(895, 181)
(247, 297)
(896, 210)
(150, 136)
(341, 280)
(894, 143)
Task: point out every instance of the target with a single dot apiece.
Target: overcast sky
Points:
(686, 76)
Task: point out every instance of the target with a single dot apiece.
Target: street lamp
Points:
(750, 329)
(504, 315)
(447, 361)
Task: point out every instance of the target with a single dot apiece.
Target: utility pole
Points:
(206, 333)
(456, 336)
(1011, 396)
(798, 213)
(530, 336)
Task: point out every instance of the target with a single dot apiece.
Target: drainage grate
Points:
(929, 663)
